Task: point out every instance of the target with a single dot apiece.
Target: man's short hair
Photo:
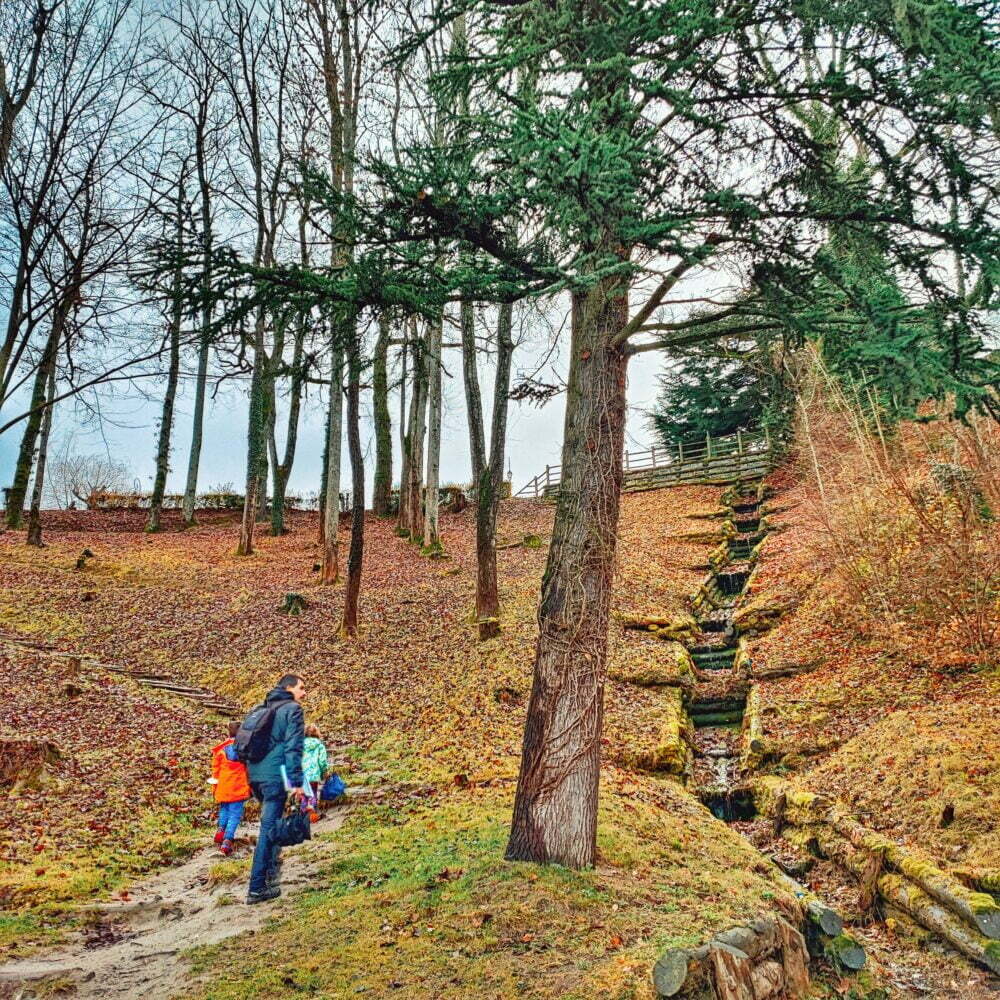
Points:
(289, 681)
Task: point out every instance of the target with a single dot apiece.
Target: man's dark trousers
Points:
(271, 795)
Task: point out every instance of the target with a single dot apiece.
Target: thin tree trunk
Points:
(26, 455)
(555, 807)
(473, 396)
(256, 432)
(282, 470)
(330, 572)
(382, 490)
(197, 425)
(263, 511)
(173, 373)
(35, 515)
(488, 494)
(431, 533)
(198, 418)
(404, 436)
(321, 496)
(355, 557)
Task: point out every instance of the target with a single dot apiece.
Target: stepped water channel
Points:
(719, 700)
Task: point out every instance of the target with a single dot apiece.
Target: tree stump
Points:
(293, 604)
(457, 500)
(27, 763)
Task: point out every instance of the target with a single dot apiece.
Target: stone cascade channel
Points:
(719, 699)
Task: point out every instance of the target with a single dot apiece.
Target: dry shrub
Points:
(909, 516)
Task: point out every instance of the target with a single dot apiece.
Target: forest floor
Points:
(411, 897)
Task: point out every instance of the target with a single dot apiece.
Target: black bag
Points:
(253, 738)
(293, 828)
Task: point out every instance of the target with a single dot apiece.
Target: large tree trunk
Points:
(26, 454)
(555, 808)
(173, 373)
(330, 571)
(35, 515)
(411, 508)
(382, 489)
(355, 557)
(473, 396)
(430, 530)
(488, 493)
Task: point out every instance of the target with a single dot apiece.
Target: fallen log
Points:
(982, 880)
(929, 913)
(977, 908)
(932, 898)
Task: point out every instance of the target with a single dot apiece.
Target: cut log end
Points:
(670, 972)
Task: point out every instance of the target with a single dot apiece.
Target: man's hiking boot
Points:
(226, 847)
(273, 877)
(219, 835)
(271, 892)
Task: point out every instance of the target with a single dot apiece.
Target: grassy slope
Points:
(418, 895)
(877, 722)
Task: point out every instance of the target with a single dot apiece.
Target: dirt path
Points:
(138, 946)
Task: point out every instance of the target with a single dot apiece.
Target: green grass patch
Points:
(419, 902)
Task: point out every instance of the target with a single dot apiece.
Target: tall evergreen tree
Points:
(661, 138)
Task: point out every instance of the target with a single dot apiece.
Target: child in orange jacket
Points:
(232, 789)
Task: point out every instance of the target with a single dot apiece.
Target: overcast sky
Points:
(128, 429)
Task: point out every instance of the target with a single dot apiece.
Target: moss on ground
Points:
(421, 903)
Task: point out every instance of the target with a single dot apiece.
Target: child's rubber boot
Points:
(227, 847)
(220, 835)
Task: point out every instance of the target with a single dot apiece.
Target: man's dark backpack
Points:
(253, 738)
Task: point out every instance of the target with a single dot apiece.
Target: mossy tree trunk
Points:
(473, 396)
(256, 437)
(431, 533)
(205, 337)
(488, 492)
(411, 511)
(38, 489)
(173, 373)
(330, 571)
(355, 558)
(33, 425)
(555, 807)
(282, 470)
(382, 487)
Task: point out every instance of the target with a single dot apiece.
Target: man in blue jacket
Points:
(271, 779)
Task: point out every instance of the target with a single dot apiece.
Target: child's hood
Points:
(222, 746)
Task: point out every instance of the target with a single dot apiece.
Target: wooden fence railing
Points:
(707, 460)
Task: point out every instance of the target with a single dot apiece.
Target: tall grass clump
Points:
(908, 515)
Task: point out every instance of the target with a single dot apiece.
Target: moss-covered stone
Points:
(669, 666)
(670, 750)
(758, 616)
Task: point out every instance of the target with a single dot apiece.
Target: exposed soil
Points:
(137, 946)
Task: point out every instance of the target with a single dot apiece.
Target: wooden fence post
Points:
(546, 490)
(739, 442)
(653, 453)
(680, 451)
(626, 461)
(708, 446)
